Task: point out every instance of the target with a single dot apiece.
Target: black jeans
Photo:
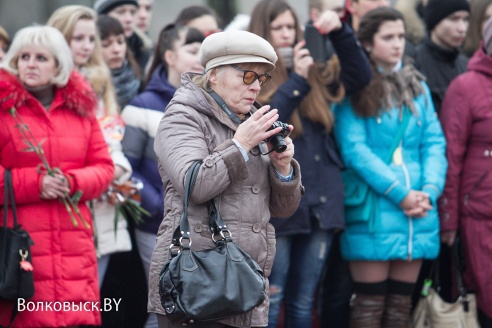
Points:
(335, 290)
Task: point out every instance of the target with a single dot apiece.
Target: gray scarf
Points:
(401, 87)
(126, 83)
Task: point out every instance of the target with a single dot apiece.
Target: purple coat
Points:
(466, 119)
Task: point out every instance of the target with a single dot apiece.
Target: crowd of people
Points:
(392, 100)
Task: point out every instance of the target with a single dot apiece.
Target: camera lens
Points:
(278, 143)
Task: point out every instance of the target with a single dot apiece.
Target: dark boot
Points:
(397, 311)
(366, 311)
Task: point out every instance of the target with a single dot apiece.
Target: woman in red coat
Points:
(465, 205)
(36, 80)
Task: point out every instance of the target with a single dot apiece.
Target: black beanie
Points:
(437, 10)
(103, 7)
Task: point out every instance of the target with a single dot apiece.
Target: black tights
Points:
(389, 286)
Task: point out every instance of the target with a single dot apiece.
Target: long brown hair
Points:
(109, 26)
(474, 33)
(323, 78)
(168, 37)
(367, 102)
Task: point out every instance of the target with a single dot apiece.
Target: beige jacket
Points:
(195, 128)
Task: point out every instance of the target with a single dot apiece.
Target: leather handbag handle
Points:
(216, 222)
(9, 192)
(184, 225)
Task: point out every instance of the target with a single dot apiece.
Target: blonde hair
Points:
(47, 37)
(4, 35)
(96, 71)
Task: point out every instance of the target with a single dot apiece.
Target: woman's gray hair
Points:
(202, 81)
(46, 36)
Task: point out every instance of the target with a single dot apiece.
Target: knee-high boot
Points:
(397, 311)
(366, 311)
(398, 304)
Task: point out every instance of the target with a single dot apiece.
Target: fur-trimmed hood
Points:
(77, 95)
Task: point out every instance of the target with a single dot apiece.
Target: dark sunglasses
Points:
(250, 77)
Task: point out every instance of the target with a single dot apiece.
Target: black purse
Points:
(16, 279)
(211, 284)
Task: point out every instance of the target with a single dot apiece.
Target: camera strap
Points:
(224, 107)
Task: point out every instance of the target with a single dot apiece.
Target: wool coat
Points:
(63, 255)
(363, 144)
(194, 127)
(465, 204)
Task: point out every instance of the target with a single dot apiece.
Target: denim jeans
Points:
(145, 244)
(295, 276)
(102, 267)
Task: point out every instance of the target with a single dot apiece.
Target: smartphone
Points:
(315, 43)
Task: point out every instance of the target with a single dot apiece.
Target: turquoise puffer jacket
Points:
(363, 142)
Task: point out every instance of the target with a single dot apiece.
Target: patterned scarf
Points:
(126, 83)
(400, 87)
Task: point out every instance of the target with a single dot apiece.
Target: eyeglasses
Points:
(250, 77)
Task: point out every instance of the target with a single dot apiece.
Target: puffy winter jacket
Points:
(194, 127)
(63, 255)
(363, 144)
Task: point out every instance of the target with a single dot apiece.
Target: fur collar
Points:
(76, 96)
(400, 87)
(388, 90)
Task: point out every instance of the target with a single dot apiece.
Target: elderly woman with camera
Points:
(214, 118)
(46, 105)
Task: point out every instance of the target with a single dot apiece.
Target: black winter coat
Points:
(440, 67)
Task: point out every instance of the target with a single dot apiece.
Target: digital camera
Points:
(278, 140)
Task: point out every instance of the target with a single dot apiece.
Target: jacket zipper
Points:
(410, 222)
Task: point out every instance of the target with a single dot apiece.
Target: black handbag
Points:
(211, 284)
(16, 279)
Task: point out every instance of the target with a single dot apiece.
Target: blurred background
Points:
(16, 14)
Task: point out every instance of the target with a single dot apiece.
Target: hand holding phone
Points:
(315, 43)
(302, 59)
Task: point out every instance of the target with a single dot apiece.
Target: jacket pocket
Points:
(475, 186)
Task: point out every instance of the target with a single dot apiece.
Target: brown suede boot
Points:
(366, 311)
(397, 311)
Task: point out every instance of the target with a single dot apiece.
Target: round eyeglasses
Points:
(250, 77)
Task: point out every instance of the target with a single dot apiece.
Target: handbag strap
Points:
(458, 266)
(399, 135)
(9, 193)
(216, 223)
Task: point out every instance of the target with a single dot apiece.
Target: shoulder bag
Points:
(211, 284)
(16, 279)
(433, 312)
(360, 200)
